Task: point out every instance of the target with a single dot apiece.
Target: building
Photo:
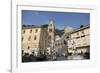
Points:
(57, 45)
(60, 47)
(68, 29)
(61, 43)
(38, 39)
(45, 39)
(79, 40)
(73, 41)
(34, 39)
(51, 36)
(51, 29)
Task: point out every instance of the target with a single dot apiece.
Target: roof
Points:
(81, 28)
(33, 26)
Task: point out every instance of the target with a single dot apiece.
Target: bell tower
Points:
(51, 30)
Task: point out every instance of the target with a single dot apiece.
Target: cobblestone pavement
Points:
(75, 57)
(62, 58)
(53, 58)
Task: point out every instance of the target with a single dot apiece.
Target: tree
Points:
(44, 26)
(81, 26)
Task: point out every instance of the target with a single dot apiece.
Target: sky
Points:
(62, 19)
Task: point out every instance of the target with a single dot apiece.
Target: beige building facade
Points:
(79, 40)
(38, 39)
(34, 39)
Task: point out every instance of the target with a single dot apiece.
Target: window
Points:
(50, 25)
(23, 31)
(28, 47)
(33, 52)
(50, 30)
(82, 32)
(64, 42)
(35, 38)
(36, 30)
(77, 37)
(83, 36)
(22, 38)
(29, 38)
(31, 31)
(77, 33)
(67, 37)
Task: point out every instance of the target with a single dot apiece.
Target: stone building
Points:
(51, 29)
(51, 36)
(61, 43)
(38, 39)
(34, 39)
(79, 40)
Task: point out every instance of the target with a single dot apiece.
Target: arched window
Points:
(67, 37)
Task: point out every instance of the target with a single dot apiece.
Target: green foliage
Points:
(59, 32)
